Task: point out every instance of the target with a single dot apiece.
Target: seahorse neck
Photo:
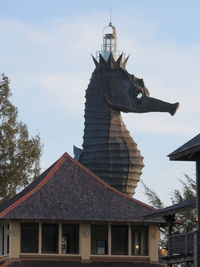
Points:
(97, 124)
(108, 149)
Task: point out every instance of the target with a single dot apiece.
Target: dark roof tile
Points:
(25, 191)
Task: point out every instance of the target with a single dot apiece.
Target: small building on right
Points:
(184, 249)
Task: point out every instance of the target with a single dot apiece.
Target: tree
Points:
(186, 217)
(19, 153)
(152, 197)
(188, 191)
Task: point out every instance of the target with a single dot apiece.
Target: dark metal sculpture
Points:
(108, 149)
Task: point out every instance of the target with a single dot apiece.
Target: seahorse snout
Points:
(174, 108)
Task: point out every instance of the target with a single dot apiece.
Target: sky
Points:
(45, 50)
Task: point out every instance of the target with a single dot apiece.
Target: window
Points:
(140, 240)
(99, 239)
(29, 237)
(119, 240)
(49, 238)
(70, 238)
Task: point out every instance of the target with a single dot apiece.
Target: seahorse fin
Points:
(123, 65)
(95, 61)
(77, 152)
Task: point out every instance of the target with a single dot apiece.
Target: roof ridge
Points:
(106, 184)
(37, 187)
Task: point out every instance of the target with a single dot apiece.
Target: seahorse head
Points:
(124, 91)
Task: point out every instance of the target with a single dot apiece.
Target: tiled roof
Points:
(24, 192)
(187, 151)
(69, 191)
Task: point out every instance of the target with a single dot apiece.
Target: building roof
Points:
(187, 151)
(69, 191)
(183, 205)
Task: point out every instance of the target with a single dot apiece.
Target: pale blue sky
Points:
(45, 50)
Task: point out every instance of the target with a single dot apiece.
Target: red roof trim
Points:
(34, 190)
(106, 184)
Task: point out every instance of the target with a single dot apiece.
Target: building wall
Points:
(85, 244)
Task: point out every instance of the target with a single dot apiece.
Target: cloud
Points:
(53, 60)
(67, 91)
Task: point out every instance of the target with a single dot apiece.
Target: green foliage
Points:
(19, 153)
(188, 190)
(152, 197)
(186, 218)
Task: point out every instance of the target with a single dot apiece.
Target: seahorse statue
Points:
(108, 149)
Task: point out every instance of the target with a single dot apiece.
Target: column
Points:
(60, 238)
(85, 241)
(109, 239)
(40, 238)
(153, 242)
(129, 240)
(14, 239)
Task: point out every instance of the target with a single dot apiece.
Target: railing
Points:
(179, 244)
(182, 249)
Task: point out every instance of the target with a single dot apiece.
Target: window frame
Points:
(144, 230)
(76, 250)
(94, 249)
(43, 250)
(126, 251)
(36, 239)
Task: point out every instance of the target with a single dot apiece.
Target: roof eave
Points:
(185, 155)
(184, 205)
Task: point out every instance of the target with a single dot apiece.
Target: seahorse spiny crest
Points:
(110, 63)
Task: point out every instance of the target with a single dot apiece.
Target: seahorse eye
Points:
(139, 95)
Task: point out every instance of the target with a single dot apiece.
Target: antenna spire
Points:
(110, 23)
